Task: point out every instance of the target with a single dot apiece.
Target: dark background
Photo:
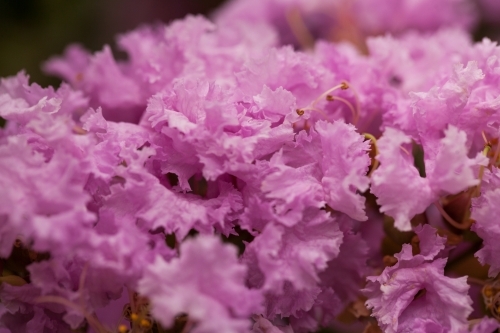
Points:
(33, 30)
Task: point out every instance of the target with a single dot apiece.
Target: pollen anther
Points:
(330, 98)
(145, 323)
(122, 329)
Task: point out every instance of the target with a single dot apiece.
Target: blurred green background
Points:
(33, 30)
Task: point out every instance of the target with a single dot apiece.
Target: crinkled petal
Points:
(345, 164)
(400, 190)
(206, 282)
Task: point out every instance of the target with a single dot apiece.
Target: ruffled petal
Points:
(206, 282)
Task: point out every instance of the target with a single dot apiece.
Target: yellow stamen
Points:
(122, 329)
(134, 316)
(145, 323)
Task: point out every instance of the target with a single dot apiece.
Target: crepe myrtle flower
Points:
(220, 180)
(415, 289)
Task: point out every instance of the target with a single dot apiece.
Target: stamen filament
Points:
(472, 192)
(299, 28)
(342, 86)
(356, 95)
(96, 325)
(484, 137)
(13, 280)
(497, 152)
(79, 130)
(301, 111)
(476, 281)
(450, 220)
(81, 285)
(188, 326)
(447, 200)
(131, 299)
(375, 162)
(404, 149)
(355, 114)
(467, 209)
(477, 191)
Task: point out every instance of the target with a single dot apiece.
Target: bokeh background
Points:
(33, 30)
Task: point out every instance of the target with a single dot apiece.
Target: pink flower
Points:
(206, 282)
(415, 291)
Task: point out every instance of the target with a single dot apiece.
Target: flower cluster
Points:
(221, 180)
